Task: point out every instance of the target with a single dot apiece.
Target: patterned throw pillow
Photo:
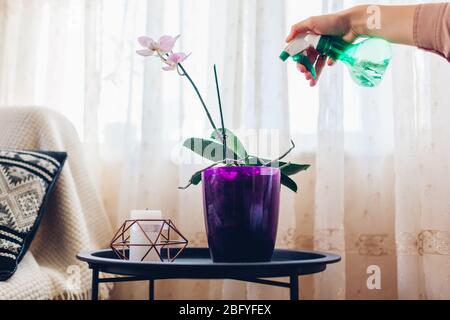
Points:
(26, 180)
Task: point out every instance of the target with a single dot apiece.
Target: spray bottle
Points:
(367, 60)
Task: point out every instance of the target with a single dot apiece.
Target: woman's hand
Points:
(395, 25)
(337, 24)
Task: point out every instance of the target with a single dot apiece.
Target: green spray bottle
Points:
(367, 60)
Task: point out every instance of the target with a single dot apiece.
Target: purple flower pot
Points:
(241, 206)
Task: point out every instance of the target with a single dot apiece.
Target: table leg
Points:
(151, 289)
(94, 284)
(294, 287)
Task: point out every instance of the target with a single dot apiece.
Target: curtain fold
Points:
(329, 229)
(377, 189)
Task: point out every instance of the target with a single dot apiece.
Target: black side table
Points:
(196, 263)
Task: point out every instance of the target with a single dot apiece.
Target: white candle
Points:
(151, 229)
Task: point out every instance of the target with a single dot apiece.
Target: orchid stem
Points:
(201, 99)
(282, 156)
(224, 135)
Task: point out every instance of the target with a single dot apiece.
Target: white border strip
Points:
(49, 178)
(7, 234)
(37, 154)
(8, 255)
(9, 245)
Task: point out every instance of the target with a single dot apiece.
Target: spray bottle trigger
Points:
(304, 60)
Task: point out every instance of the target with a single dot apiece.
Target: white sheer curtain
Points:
(376, 192)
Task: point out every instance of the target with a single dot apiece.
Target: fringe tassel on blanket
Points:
(103, 293)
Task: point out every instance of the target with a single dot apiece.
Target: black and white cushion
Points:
(26, 180)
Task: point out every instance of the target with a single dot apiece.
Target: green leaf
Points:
(196, 178)
(255, 161)
(288, 182)
(289, 170)
(213, 150)
(208, 149)
(285, 180)
(233, 142)
(293, 168)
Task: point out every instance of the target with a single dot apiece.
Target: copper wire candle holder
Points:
(121, 244)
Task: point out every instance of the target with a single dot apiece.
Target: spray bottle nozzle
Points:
(296, 49)
(367, 60)
(304, 60)
(284, 56)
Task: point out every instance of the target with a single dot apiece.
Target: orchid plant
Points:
(223, 147)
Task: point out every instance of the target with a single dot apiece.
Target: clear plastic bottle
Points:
(367, 60)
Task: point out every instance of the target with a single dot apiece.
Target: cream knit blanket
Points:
(75, 219)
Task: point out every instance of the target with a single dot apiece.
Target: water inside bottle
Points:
(368, 73)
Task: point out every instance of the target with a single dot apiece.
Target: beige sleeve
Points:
(432, 28)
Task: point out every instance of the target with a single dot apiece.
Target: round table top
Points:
(196, 263)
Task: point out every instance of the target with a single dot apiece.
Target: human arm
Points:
(426, 26)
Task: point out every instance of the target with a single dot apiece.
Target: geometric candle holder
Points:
(167, 238)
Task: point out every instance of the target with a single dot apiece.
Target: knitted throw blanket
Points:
(75, 219)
